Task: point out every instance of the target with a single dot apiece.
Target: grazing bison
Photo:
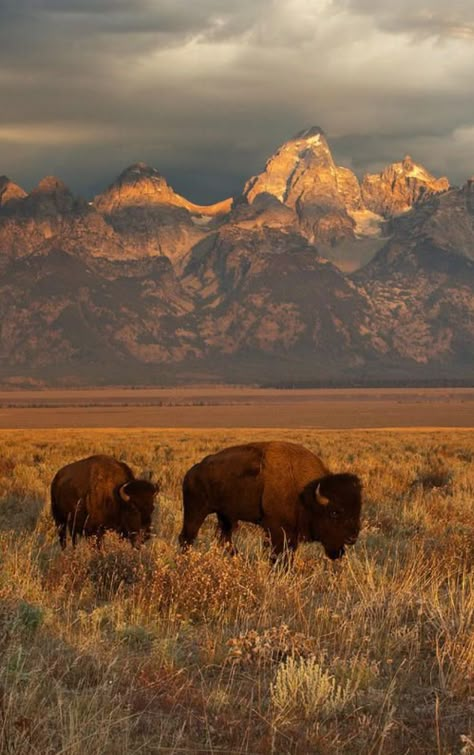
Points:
(283, 487)
(100, 493)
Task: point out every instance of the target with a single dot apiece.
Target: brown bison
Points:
(283, 487)
(100, 493)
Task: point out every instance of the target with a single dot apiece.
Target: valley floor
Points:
(156, 652)
(208, 407)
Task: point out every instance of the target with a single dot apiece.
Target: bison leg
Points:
(226, 527)
(282, 545)
(75, 524)
(98, 538)
(62, 533)
(191, 525)
(73, 533)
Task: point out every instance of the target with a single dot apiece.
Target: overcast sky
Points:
(205, 90)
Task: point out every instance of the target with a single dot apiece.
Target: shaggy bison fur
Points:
(100, 493)
(283, 487)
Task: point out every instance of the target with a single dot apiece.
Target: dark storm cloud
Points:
(436, 18)
(175, 19)
(206, 90)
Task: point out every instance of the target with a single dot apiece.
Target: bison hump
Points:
(239, 461)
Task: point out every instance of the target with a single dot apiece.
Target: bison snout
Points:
(335, 554)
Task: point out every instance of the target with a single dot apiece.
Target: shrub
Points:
(118, 567)
(30, 616)
(204, 585)
(136, 637)
(270, 646)
(303, 688)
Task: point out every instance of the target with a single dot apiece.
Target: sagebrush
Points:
(156, 651)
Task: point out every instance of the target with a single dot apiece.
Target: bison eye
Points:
(334, 514)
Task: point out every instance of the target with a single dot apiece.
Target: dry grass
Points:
(126, 652)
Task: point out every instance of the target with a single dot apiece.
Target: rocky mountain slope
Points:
(307, 276)
(399, 187)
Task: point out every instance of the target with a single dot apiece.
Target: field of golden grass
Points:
(157, 652)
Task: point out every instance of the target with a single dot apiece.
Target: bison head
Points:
(137, 502)
(336, 506)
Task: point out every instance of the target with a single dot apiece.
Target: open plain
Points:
(154, 651)
(211, 407)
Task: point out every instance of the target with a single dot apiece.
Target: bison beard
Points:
(283, 487)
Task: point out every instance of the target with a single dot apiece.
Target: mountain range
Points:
(310, 276)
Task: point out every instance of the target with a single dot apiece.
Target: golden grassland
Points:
(153, 651)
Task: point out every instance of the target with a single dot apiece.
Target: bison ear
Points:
(321, 499)
(123, 495)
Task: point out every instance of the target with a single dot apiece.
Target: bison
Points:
(280, 486)
(100, 493)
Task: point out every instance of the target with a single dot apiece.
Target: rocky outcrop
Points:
(9, 192)
(399, 187)
(303, 177)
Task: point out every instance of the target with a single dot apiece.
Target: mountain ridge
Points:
(307, 274)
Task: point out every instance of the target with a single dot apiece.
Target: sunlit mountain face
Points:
(307, 275)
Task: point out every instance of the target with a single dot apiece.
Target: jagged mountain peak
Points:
(49, 199)
(140, 166)
(296, 161)
(411, 169)
(143, 187)
(139, 185)
(399, 186)
(9, 191)
(139, 171)
(303, 176)
(308, 134)
(51, 185)
(307, 145)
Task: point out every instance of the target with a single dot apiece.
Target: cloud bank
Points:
(205, 91)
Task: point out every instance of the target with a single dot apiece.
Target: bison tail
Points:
(58, 517)
(55, 510)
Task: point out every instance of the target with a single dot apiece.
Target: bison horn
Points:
(122, 493)
(320, 498)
